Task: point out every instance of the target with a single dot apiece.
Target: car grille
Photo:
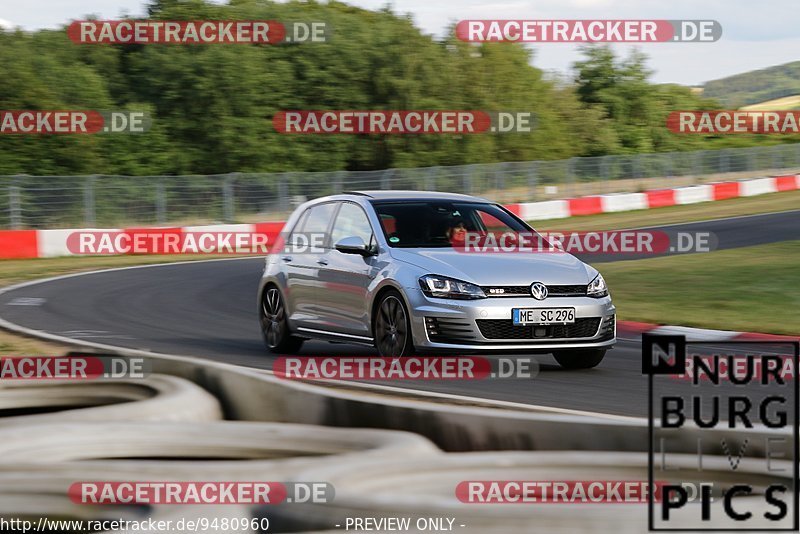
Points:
(505, 329)
(552, 291)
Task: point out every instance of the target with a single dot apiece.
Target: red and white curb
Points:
(633, 330)
(23, 244)
(658, 198)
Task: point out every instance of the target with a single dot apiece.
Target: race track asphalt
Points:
(207, 309)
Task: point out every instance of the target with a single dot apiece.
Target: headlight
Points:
(597, 287)
(448, 288)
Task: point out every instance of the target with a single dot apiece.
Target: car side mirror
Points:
(353, 245)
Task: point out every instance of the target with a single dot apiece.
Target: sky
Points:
(755, 35)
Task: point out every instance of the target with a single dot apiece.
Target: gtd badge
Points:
(538, 291)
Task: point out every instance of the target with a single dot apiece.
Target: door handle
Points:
(322, 262)
(287, 259)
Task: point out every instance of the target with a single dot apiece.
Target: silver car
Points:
(381, 268)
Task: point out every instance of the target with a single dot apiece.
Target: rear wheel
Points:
(580, 359)
(392, 326)
(274, 326)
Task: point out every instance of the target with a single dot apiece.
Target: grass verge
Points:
(746, 289)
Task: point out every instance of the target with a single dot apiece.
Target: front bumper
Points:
(485, 324)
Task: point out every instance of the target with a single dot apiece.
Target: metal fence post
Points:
(89, 208)
(500, 176)
(605, 168)
(337, 181)
(668, 171)
(571, 170)
(161, 203)
(430, 179)
(228, 209)
(385, 183)
(697, 170)
(283, 191)
(533, 180)
(15, 205)
(468, 178)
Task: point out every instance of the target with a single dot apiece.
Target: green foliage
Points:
(756, 86)
(212, 105)
(638, 110)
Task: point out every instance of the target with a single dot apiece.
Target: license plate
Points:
(524, 316)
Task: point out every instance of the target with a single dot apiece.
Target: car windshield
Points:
(436, 223)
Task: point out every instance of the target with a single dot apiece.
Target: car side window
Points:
(317, 222)
(351, 221)
(298, 226)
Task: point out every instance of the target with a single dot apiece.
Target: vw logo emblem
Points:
(538, 291)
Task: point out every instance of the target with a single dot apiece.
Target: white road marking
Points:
(90, 334)
(26, 301)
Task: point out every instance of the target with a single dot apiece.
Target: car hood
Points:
(512, 268)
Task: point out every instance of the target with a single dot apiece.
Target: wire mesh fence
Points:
(116, 201)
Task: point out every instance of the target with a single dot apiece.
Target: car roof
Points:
(414, 195)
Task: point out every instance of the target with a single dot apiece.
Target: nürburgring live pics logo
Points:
(733, 399)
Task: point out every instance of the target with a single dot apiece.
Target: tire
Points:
(274, 326)
(391, 326)
(580, 359)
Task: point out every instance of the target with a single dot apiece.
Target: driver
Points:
(457, 231)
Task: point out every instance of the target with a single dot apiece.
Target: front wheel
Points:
(580, 359)
(274, 326)
(392, 326)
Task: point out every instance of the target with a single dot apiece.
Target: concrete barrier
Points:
(214, 441)
(375, 473)
(156, 398)
(251, 395)
(421, 488)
